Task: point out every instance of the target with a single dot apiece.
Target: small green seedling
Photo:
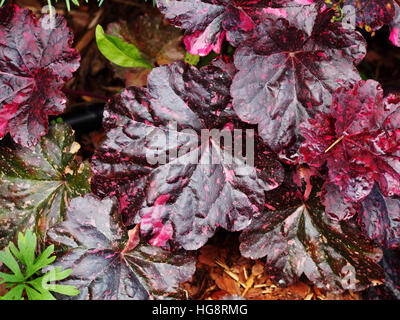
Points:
(31, 280)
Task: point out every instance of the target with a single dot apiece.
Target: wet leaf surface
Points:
(221, 271)
(106, 266)
(358, 140)
(36, 184)
(207, 23)
(380, 218)
(295, 237)
(220, 263)
(285, 76)
(35, 61)
(201, 184)
(337, 207)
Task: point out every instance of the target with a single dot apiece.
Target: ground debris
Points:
(222, 271)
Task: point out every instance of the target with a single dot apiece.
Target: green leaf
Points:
(119, 52)
(67, 290)
(15, 252)
(26, 253)
(205, 61)
(192, 59)
(43, 260)
(38, 288)
(36, 295)
(36, 184)
(27, 247)
(15, 293)
(46, 282)
(9, 261)
(61, 275)
(9, 278)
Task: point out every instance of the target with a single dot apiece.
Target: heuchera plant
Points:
(321, 198)
(107, 263)
(180, 200)
(36, 184)
(35, 61)
(359, 141)
(296, 237)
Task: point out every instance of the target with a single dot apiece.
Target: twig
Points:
(229, 273)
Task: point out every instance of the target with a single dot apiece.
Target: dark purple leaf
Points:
(380, 218)
(106, 266)
(295, 237)
(202, 21)
(206, 22)
(390, 290)
(337, 207)
(359, 141)
(184, 200)
(226, 64)
(285, 76)
(35, 62)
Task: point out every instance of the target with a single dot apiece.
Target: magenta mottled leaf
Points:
(202, 21)
(359, 141)
(380, 218)
(35, 61)
(295, 237)
(207, 22)
(105, 266)
(183, 200)
(372, 14)
(285, 76)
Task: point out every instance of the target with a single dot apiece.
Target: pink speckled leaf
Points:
(380, 218)
(359, 141)
(295, 237)
(106, 266)
(35, 61)
(285, 76)
(202, 21)
(183, 199)
(372, 14)
(207, 22)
